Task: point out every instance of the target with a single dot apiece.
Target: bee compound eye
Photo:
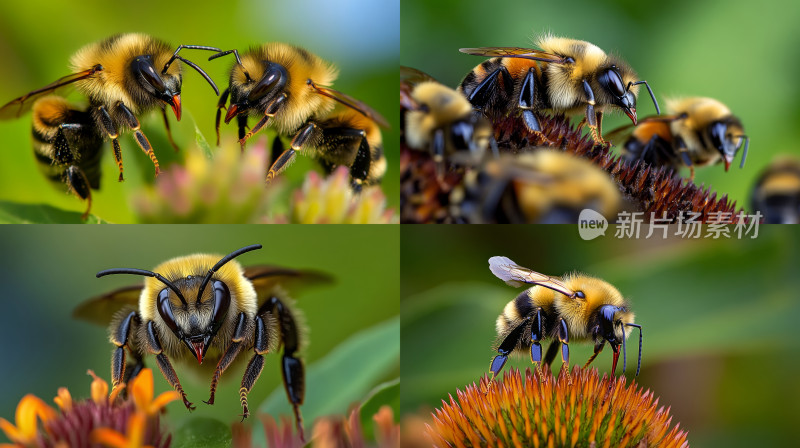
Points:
(222, 301)
(580, 295)
(165, 310)
(143, 67)
(274, 79)
(613, 82)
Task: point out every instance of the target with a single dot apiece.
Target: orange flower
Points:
(28, 409)
(141, 388)
(115, 439)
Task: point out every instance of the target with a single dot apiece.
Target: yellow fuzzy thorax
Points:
(242, 292)
(115, 55)
(701, 111)
(301, 65)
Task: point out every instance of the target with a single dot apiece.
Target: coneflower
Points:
(577, 410)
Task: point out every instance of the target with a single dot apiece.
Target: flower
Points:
(332, 201)
(579, 409)
(102, 419)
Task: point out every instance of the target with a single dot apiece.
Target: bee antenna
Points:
(658, 111)
(145, 273)
(746, 145)
(192, 64)
(221, 262)
(639, 365)
(238, 60)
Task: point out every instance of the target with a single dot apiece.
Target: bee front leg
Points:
(220, 105)
(154, 347)
(169, 131)
(132, 122)
(120, 336)
(591, 116)
(597, 349)
(230, 354)
(563, 338)
(272, 108)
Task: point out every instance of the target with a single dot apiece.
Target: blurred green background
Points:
(48, 270)
(742, 53)
(719, 319)
(38, 38)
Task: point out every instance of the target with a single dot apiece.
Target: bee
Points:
(285, 86)
(572, 308)
(67, 146)
(776, 194)
(564, 76)
(540, 186)
(123, 76)
(206, 307)
(696, 132)
(440, 120)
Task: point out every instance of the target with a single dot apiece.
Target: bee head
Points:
(194, 307)
(256, 92)
(727, 136)
(611, 328)
(621, 95)
(163, 85)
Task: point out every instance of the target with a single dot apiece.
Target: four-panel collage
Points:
(631, 164)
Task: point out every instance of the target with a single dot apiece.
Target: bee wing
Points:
(515, 52)
(264, 278)
(413, 76)
(18, 106)
(101, 309)
(351, 103)
(515, 275)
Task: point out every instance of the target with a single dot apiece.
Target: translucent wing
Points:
(265, 278)
(515, 52)
(18, 106)
(101, 309)
(515, 275)
(351, 103)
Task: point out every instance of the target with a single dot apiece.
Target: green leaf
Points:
(345, 375)
(201, 433)
(17, 213)
(383, 394)
(202, 142)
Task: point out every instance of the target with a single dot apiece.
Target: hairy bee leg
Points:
(591, 115)
(597, 349)
(141, 139)
(484, 92)
(270, 111)
(120, 336)
(220, 105)
(276, 151)
(437, 148)
(154, 347)
(110, 131)
(536, 336)
(359, 166)
(169, 131)
(256, 364)
(230, 354)
(76, 179)
(506, 347)
(526, 101)
(563, 337)
(299, 140)
(292, 367)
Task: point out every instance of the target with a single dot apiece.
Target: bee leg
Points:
(506, 347)
(563, 337)
(241, 120)
(154, 347)
(272, 108)
(291, 365)
(277, 150)
(75, 178)
(437, 149)
(256, 364)
(299, 140)
(120, 336)
(597, 349)
(591, 116)
(111, 132)
(220, 105)
(348, 146)
(230, 354)
(684, 152)
(486, 90)
(526, 103)
(169, 131)
(536, 336)
(79, 184)
(141, 139)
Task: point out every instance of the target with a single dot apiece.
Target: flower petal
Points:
(162, 400)
(141, 388)
(99, 389)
